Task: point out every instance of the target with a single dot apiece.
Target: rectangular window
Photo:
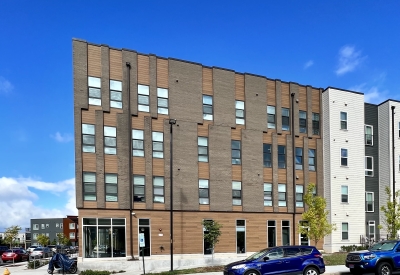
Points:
(61, 225)
(369, 134)
(88, 138)
(369, 166)
(35, 236)
(285, 119)
(299, 195)
(115, 94)
(345, 231)
(343, 157)
(343, 120)
(207, 107)
(311, 159)
(47, 234)
(299, 158)
(143, 98)
(71, 225)
(137, 143)
(72, 235)
(271, 231)
(42, 225)
(302, 121)
(162, 101)
(285, 232)
(204, 193)
(110, 140)
(282, 194)
(139, 188)
(369, 201)
(47, 225)
(281, 156)
(271, 117)
(202, 143)
(240, 236)
(236, 193)
(57, 225)
(36, 226)
(236, 155)
(158, 189)
(267, 194)
(345, 193)
(89, 186)
(267, 155)
(111, 182)
(158, 145)
(371, 230)
(315, 123)
(239, 106)
(94, 84)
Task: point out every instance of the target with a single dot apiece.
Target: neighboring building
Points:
(48, 226)
(232, 155)
(71, 229)
(22, 239)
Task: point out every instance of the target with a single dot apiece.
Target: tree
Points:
(62, 239)
(391, 212)
(53, 242)
(43, 239)
(316, 216)
(11, 233)
(214, 231)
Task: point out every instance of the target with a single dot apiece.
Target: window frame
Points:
(271, 117)
(110, 185)
(110, 137)
(158, 187)
(240, 119)
(311, 160)
(267, 155)
(371, 224)
(207, 115)
(302, 122)
(88, 134)
(204, 185)
(369, 203)
(116, 90)
(268, 193)
(235, 160)
(280, 156)
(299, 158)
(236, 200)
(71, 225)
(315, 122)
(86, 183)
(344, 197)
(200, 147)
(282, 203)
(240, 228)
(161, 97)
(285, 127)
(137, 149)
(155, 141)
(299, 195)
(94, 87)
(343, 121)
(288, 228)
(369, 172)
(136, 183)
(142, 94)
(342, 158)
(345, 232)
(369, 142)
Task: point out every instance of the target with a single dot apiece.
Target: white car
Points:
(42, 252)
(30, 249)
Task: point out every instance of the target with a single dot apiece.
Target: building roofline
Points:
(387, 100)
(354, 92)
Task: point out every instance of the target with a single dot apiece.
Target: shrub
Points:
(349, 248)
(95, 272)
(37, 263)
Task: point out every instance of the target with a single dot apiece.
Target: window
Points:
(61, 225)
(315, 123)
(111, 181)
(88, 140)
(271, 231)
(204, 194)
(239, 106)
(57, 225)
(282, 194)
(36, 226)
(94, 84)
(345, 231)
(162, 101)
(345, 193)
(236, 152)
(158, 189)
(285, 119)
(240, 236)
(302, 121)
(89, 186)
(115, 94)
(281, 156)
(143, 98)
(267, 155)
(311, 159)
(369, 201)
(72, 235)
(267, 194)
(207, 107)
(271, 117)
(236, 193)
(71, 225)
(35, 236)
(299, 158)
(139, 188)
(343, 157)
(110, 140)
(369, 166)
(285, 232)
(137, 143)
(299, 195)
(202, 143)
(343, 120)
(42, 225)
(158, 145)
(47, 225)
(47, 234)
(371, 230)
(369, 134)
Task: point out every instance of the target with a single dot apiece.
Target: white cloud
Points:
(308, 64)
(372, 94)
(62, 138)
(5, 86)
(18, 198)
(349, 60)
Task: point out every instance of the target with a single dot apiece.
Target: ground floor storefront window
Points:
(104, 237)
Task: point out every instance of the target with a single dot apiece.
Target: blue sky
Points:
(352, 45)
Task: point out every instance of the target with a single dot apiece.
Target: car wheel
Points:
(384, 269)
(49, 271)
(252, 272)
(74, 269)
(311, 271)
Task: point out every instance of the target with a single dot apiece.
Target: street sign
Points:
(141, 240)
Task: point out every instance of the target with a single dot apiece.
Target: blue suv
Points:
(306, 260)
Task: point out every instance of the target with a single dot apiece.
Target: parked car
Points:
(279, 260)
(3, 249)
(32, 247)
(15, 255)
(42, 252)
(54, 248)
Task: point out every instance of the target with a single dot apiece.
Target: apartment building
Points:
(244, 149)
(53, 226)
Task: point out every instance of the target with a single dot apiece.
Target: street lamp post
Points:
(171, 208)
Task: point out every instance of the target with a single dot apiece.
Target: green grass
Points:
(335, 258)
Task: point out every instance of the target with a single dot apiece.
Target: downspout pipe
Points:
(393, 159)
(128, 65)
(294, 170)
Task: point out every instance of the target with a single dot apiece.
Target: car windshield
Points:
(257, 255)
(38, 249)
(384, 246)
(9, 250)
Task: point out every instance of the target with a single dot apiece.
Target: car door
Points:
(273, 263)
(292, 259)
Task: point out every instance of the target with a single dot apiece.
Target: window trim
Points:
(342, 158)
(316, 131)
(312, 158)
(282, 116)
(369, 172)
(153, 141)
(300, 203)
(372, 135)
(97, 87)
(159, 89)
(137, 149)
(240, 118)
(342, 194)
(238, 198)
(208, 116)
(236, 235)
(300, 158)
(141, 106)
(267, 154)
(286, 226)
(115, 91)
(89, 135)
(279, 154)
(303, 129)
(204, 188)
(111, 137)
(110, 184)
(236, 161)
(159, 187)
(267, 193)
(345, 231)
(135, 176)
(371, 224)
(199, 146)
(371, 202)
(94, 193)
(343, 122)
(280, 202)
